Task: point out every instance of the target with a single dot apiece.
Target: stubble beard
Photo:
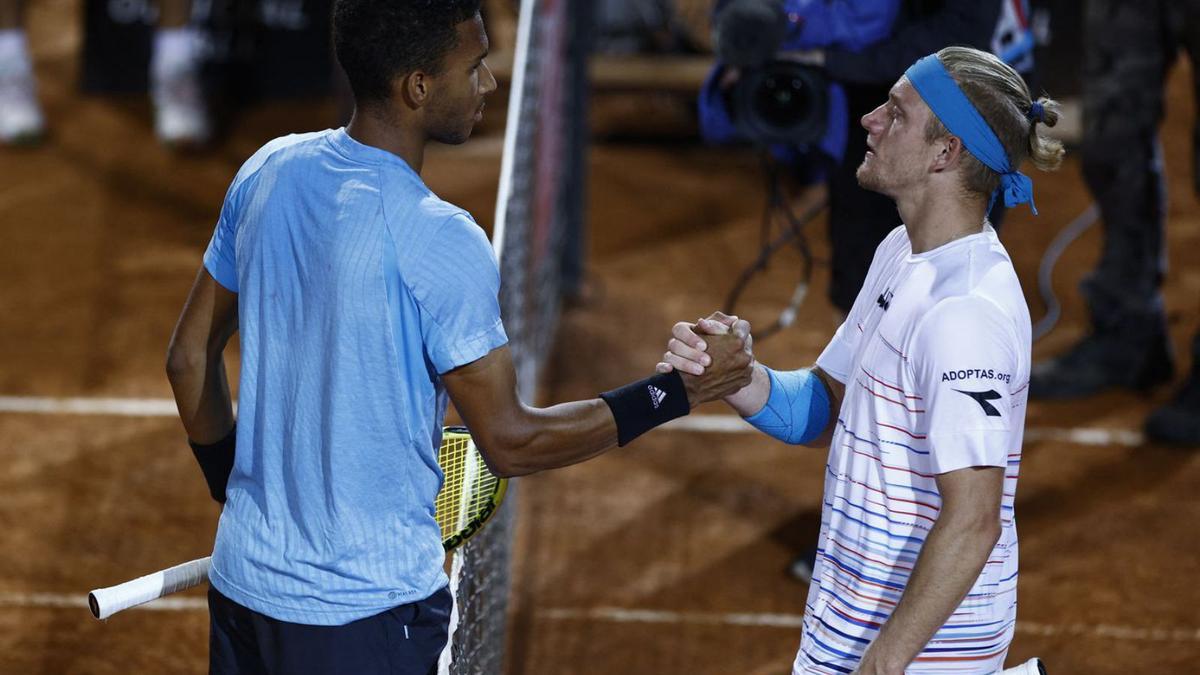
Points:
(452, 129)
(867, 178)
(453, 136)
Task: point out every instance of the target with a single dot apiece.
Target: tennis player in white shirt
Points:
(921, 393)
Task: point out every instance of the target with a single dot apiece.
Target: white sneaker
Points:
(180, 114)
(20, 116)
(1031, 667)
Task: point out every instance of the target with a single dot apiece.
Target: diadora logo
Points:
(656, 395)
(983, 398)
(885, 299)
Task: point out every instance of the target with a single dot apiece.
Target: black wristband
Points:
(216, 461)
(640, 406)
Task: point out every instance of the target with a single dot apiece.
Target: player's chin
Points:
(869, 179)
(864, 175)
(468, 126)
(456, 136)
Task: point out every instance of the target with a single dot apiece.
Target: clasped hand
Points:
(714, 356)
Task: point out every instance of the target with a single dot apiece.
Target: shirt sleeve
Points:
(838, 355)
(966, 356)
(220, 258)
(835, 359)
(456, 283)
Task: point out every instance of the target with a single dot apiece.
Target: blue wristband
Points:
(797, 409)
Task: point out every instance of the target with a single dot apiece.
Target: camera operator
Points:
(836, 61)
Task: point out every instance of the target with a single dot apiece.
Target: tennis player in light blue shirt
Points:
(364, 286)
(363, 302)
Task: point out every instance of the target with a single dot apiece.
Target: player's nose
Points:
(870, 121)
(488, 83)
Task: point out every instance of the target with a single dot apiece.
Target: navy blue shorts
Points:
(404, 640)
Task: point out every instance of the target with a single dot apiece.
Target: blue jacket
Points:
(923, 27)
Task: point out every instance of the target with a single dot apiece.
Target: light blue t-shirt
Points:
(357, 287)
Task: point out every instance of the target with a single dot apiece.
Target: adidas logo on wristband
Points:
(667, 399)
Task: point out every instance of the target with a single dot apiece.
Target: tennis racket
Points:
(470, 495)
(1033, 666)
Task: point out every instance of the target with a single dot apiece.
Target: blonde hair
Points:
(1002, 98)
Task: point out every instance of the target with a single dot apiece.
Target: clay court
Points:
(666, 557)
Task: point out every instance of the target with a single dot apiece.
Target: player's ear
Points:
(949, 153)
(413, 89)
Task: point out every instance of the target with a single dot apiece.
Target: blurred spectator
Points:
(180, 115)
(1128, 50)
(624, 27)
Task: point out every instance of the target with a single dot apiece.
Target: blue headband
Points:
(940, 92)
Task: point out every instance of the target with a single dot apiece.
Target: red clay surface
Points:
(103, 232)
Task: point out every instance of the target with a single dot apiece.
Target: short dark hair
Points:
(377, 41)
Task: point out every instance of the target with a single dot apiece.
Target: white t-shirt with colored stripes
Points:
(935, 357)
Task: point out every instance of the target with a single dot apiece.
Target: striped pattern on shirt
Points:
(935, 359)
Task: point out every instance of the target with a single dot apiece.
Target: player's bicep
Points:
(972, 496)
(209, 318)
(837, 392)
(484, 393)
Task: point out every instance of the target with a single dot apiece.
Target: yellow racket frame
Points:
(471, 494)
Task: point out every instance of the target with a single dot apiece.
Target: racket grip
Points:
(105, 602)
(1033, 666)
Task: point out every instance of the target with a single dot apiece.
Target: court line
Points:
(1086, 436)
(719, 424)
(71, 601)
(792, 621)
(650, 616)
(123, 407)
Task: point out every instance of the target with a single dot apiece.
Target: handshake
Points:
(714, 357)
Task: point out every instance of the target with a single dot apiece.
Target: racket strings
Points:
(459, 459)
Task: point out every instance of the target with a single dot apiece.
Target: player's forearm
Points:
(549, 438)
(201, 388)
(794, 406)
(948, 566)
(750, 399)
(516, 439)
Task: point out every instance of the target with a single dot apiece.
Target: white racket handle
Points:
(108, 601)
(1031, 667)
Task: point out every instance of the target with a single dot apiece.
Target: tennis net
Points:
(537, 236)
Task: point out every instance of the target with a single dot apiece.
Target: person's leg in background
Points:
(1179, 420)
(180, 110)
(1126, 55)
(20, 116)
